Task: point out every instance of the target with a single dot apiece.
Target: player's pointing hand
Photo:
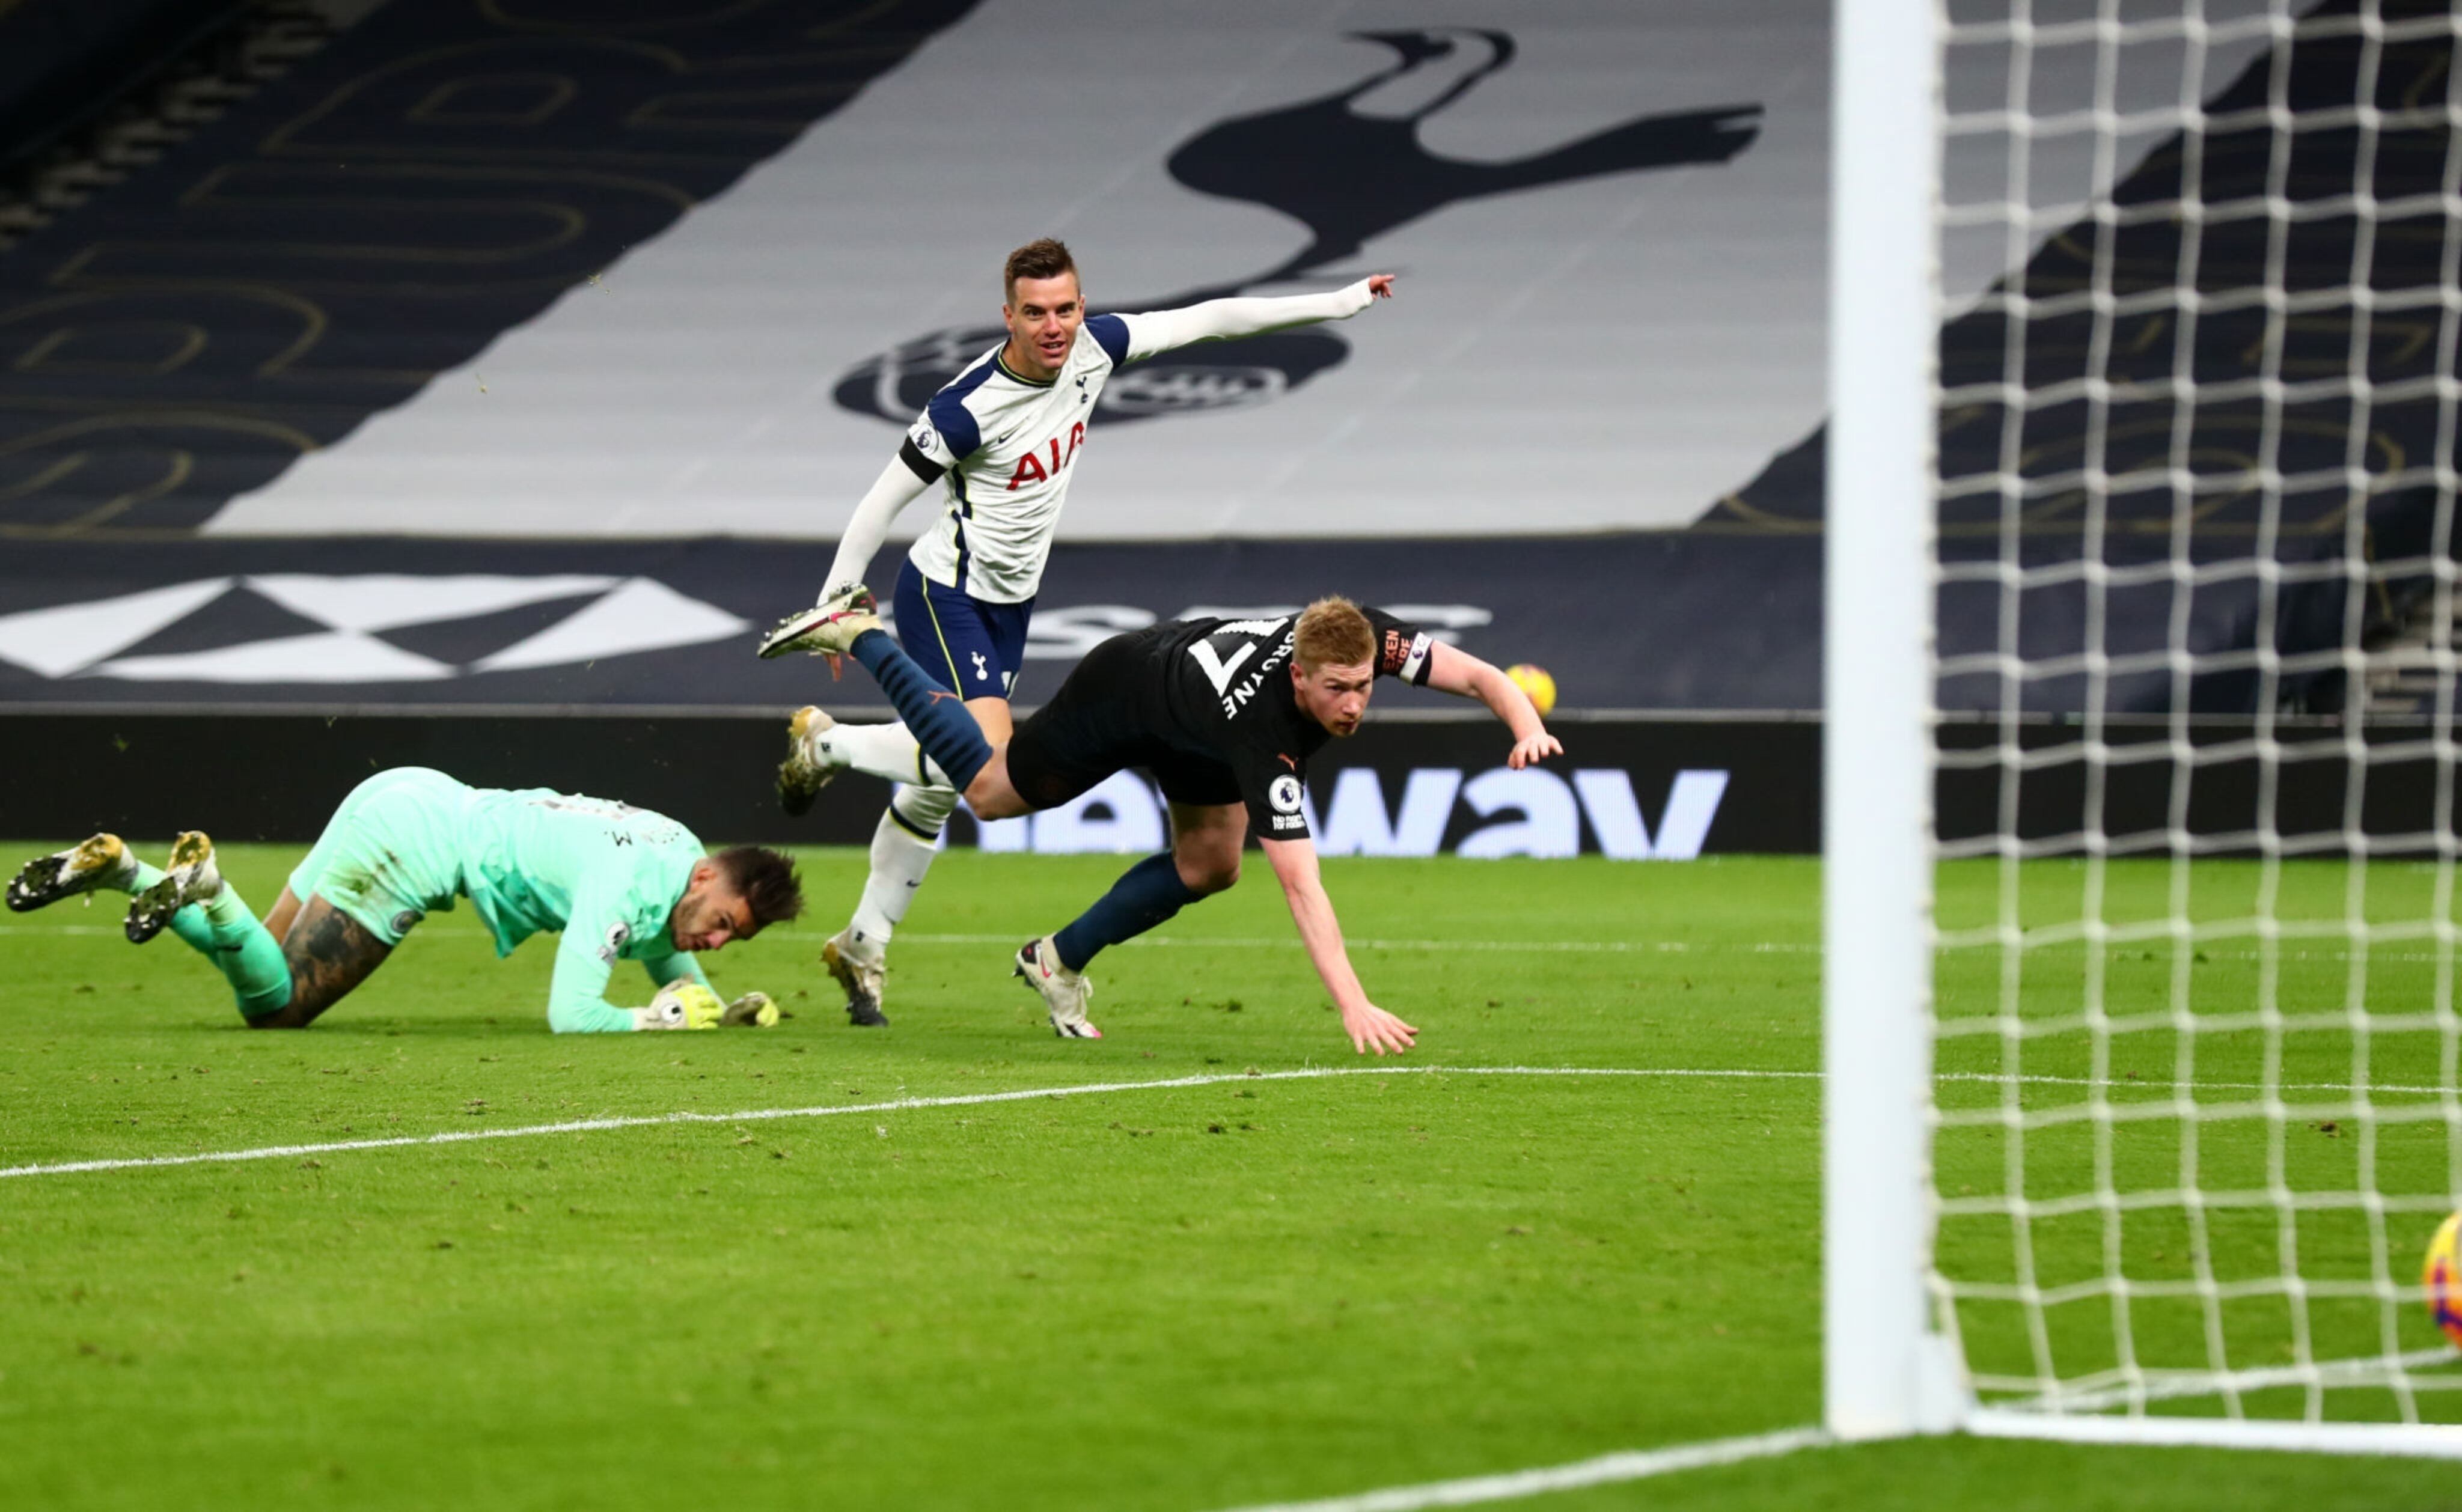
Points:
(1380, 286)
(1372, 1028)
(1534, 749)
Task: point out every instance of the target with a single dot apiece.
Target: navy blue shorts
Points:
(966, 644)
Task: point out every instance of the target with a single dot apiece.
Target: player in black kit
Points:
(1225, 715)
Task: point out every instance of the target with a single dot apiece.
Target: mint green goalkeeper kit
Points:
(410, 842)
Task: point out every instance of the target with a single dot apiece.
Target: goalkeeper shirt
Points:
(606, 874)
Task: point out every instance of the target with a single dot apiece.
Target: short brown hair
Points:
(767, 880)
(1040, 258)
(1332, 632)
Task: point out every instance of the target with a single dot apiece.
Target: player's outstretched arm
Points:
(1455, 671)
(576, 994)
(900, 484)
(1223, 320)
(1370, 1027)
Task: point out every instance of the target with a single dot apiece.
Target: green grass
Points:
(1179, 1299)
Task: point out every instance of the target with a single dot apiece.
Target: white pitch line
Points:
(830, 1111)
(2357, 1371)
(1639, 1464)
(2414, 1441)
(1083, 1088)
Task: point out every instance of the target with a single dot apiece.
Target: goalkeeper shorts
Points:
(391, 853)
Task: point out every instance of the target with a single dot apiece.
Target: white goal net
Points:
(2189, 440)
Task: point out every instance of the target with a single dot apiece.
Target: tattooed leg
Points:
(284, 914)
(329, 953)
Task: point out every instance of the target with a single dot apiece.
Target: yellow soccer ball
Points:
(2442, 1277)
(1535, 681)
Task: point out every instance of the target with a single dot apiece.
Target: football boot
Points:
(1065, 992)
(191, 878)
(101, 861)
(810, 765)
(827, 629)
(864, 981)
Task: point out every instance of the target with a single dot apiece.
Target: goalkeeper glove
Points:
(681, 1005)
(751, 1011)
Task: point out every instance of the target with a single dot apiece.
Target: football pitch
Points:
(1581, 1219)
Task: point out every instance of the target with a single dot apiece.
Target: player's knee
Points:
(925, 808)
(991, 797)
(1205, 873)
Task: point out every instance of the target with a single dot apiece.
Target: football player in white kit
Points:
(1002, 438)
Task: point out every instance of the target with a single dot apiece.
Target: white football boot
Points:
(191, 878)
(1065, 992)
(827, 629)
(865, 982)
(101, 861)
(810, 765)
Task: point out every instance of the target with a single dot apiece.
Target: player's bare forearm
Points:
(1452, 670)
(1370, 1027)
(1322, 933)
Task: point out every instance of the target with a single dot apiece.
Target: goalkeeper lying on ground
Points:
(617, 881)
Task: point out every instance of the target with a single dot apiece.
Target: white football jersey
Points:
(1010, 445)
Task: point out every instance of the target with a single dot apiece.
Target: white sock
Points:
(883, 751)
(900, 859)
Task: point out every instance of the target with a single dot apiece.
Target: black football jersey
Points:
(1224, 688)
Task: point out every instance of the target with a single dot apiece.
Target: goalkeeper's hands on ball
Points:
(690, 1005)
(751, 1011)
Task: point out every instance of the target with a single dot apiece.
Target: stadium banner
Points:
(1629, 790)
(1606, 220)
(59, 61)
(1662, 620)
(1630, 787)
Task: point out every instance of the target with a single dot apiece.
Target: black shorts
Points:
(1101, 722)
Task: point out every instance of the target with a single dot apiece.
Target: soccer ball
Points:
(2442, 1277)
(1535, 681)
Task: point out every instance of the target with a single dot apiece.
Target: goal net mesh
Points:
(2195, 1063)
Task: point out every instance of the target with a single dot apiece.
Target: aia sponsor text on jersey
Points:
(1029, 464)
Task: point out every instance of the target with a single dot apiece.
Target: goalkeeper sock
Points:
(224, 932)
(937, 717)
(887, 751)
(902, 849)
(1145, 895)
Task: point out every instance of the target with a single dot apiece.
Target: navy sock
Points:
(1145, 895)
(936, 717)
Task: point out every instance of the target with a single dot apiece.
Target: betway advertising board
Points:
(1663, 791)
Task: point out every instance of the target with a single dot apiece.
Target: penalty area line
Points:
(825, 1111)
(1639, 1464)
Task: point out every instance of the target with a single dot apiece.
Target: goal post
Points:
(1884, 1371)
(2141, 1043)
